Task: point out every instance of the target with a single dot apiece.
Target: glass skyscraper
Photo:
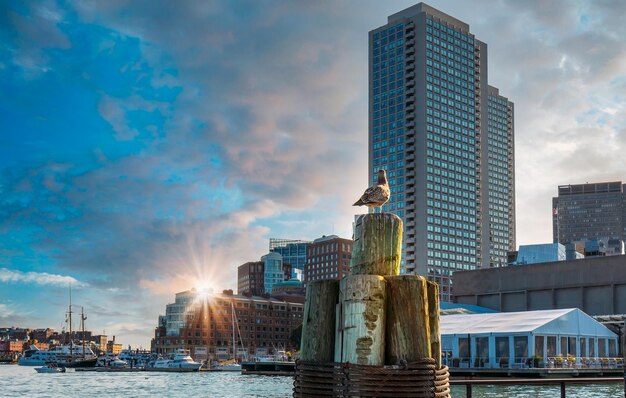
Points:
(428, 128)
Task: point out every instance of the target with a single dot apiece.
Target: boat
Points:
(179, 361)
(110, 361)
(51, 368)
(65, 355)
(36, 357)
(226, 366)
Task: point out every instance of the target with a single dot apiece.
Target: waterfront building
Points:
(328, 257)
(14, 333)
(43, 334)
(511, 339)
(12, 345)
(596, 285)
(293, 252)
(261, 326)
(100, 341)
(445, 138)
(589, 211)
(113, 347)
(540, 253)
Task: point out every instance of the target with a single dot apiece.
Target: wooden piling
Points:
(362, 329)
(407, 329)
(433, 322)
(377, 245)
(318, 328)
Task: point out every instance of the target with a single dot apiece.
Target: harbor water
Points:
(23, 381)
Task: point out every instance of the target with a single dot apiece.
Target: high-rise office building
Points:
(449, 168)
(585, 212)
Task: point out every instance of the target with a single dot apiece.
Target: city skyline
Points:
(143, 146)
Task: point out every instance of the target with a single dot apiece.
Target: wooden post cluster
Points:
(374, 316)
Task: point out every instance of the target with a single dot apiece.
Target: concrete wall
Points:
(595, 285)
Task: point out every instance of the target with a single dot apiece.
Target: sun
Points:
(204, 288)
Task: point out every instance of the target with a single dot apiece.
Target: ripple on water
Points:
(23, 381)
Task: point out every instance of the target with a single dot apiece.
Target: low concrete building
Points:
(595, 285)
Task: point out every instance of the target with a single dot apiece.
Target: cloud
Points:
(42, 278)
(193, 131)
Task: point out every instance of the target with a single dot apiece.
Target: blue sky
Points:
(149, 146)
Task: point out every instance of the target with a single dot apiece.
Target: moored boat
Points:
(51, 368)
(180, 361)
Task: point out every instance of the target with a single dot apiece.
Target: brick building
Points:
(328, 258)
(204, 324)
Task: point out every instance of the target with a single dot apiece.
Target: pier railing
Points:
(556, 362)
(561, 382)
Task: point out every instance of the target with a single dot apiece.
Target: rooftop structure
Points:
(540, 253)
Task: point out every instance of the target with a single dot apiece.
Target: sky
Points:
(148, 147)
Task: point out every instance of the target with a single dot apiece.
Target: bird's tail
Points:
(358, 203)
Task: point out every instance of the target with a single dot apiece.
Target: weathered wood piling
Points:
(375, 324)
(377, 248)
(408, 330)
(318, 324)
(362, 328)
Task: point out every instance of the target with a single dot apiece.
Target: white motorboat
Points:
(180, 361)
(229, 366)
(50, 368)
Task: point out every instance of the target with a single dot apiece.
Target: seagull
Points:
(377, 195)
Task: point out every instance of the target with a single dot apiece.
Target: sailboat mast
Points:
(82, 320)
(232, 311)
(70, 316)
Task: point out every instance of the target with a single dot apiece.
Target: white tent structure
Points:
(509, 339)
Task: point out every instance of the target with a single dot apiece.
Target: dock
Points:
(268, 368)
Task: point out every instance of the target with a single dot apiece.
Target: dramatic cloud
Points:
(147, 147)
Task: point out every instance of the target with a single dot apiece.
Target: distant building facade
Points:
(589, 211)
(250, 278)
(328, 258)
(258, 277)
(261, 326)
